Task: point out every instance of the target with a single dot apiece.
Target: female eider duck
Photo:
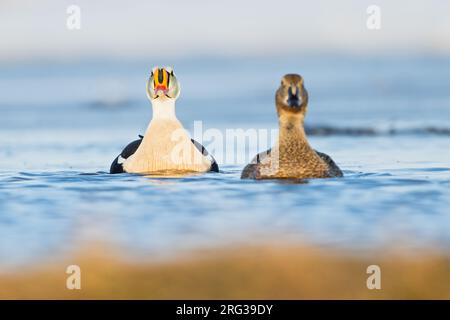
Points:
(292, 157)
(166, 147)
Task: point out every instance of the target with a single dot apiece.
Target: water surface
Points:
(384, 120)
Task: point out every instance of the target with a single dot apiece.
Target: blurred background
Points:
(56, 81)
(71, 99)
(152, 29)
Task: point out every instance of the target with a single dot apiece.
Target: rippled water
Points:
(386, 123)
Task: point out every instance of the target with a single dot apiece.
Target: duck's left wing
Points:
(205, 153)
(334, 169)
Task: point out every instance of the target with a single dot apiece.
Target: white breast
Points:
(166, 146)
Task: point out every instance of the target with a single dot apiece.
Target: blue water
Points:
(387, 126)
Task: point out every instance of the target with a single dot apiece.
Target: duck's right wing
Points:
(251, 171)
(130, 149)
(261, 156)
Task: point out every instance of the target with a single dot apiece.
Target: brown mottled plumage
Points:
(292, 157)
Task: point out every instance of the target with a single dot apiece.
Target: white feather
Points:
(121, 160)
(164, 137)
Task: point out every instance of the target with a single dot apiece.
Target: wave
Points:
(371, 131)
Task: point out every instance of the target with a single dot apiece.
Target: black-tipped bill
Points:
(294, 99)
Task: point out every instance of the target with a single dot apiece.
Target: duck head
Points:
(163, 85)
(291, 97)
(163, 89)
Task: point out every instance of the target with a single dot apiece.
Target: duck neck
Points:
(292, 131)
(163, 109)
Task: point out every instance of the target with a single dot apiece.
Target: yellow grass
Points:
(280, 272)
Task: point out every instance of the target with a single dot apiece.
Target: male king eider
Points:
(292, 157)
(166, 146)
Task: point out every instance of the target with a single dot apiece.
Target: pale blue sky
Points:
(179, 28)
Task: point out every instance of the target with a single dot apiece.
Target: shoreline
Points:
(260, 272)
